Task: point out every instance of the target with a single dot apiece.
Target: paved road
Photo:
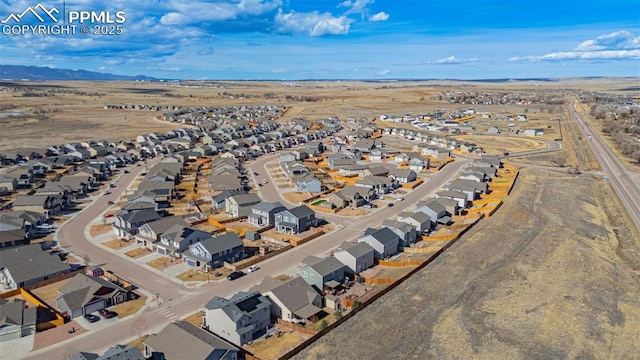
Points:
(177, 301)
(621, 179)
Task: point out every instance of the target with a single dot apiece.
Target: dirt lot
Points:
(273, 347)
(534, 281)
(496, 145)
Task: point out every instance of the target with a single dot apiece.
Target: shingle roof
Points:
(182, 340)
(384, 235)
(301, 211)
(327, 265)
(356, 249)
(81, 289)
(267, 206)
(30, 262)
(246, 199)
(220, 243)
(141, 217)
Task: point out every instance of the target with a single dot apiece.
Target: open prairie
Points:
(34, 115)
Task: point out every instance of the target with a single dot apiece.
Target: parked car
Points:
(110, 203)
(236, 274)
(390, 205)
(91, 318)
(401, 198)
(255, 173)
(264, 181)
(45, 226)
(126, 171)
(253, 268)
(108, 215)
(260, 185)
(106, 192)
(107, 314)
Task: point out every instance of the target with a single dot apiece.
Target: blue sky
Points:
(344, 39)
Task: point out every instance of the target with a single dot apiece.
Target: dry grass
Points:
(496, 145)
(278, 236)
(130, 307)
(197, 275)
(138, 342)
(241, 226)
(295, 197)
(138, 252)
(195, 319)
(283, 277)
(99, 229)
(273, 347)
(160, 263)
(353, 212)
(116, 244)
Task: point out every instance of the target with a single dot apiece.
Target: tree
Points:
(323, 324)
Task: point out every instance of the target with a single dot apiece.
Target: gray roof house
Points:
(29, 264)
(183, 340)
(308, 182)
(126, 224)
(291, 299)
(420, 220)
(178, 238)
(402, 176)
(116, 352)
(218, 200)
(357, 257)
(240, 205)
(384, 241)
(240, 319)
(213, 252)
(16, 319)
(322, 273)
(85, 294)
(435, 210)
(263, 213)
(296, 220)
(460, 197)
(406, 232)
(149, 234)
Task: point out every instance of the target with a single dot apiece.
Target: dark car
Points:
(107, 314)
(255, 173)
(390, 205)
(127, 171)
(91, 318)
(110, 202)
(234, 275)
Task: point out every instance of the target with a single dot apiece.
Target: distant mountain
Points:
(38, 73)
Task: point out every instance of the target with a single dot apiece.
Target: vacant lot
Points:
(273, 347)
(496, 145)
(534, 281)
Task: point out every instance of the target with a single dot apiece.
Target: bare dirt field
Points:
(552, 275)
(496, 145)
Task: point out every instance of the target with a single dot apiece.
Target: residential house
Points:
(351, 196)
(473, 175)
(419, 220)
(149, 234)
(322, 273)
(213, 252)
(240, 205)
(178, 238)
(126, 223)
(291, 300)
(116, 352)
(357, 257)
(17, 319)
(240, 319)
(377, 155)
(308, 182)
(418, 164)
(376, 171)
(450, 205)
(403, 176)
(406, 232)
(183, 340)
(460, 197)
(86, 294)
(218, 201)
(434, 210)
(296, 220)
(21, 266)
(472, 188)
(384, 241)
(380, 184)
(364, 146)
(263, 213)
(161, 191)
(9, 238)
(49, 205)
(9, 183)
(534, 132)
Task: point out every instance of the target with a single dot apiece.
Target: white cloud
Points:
(619, 45)
(383, 72)
(356, 6)
(313, 23)
(451, 60)
(381, 16)
(189, 12)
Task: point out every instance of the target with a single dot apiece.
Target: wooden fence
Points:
(296, 327)
(414, 185)
(422, 249)
(405, 263)
(379, 281)
(258, 258)
(298, 242)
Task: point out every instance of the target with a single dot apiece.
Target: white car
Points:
(253, 268)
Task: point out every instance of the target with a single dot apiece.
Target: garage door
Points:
(8, 336)
(190, 262)
(162, 251)
(94, 307)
